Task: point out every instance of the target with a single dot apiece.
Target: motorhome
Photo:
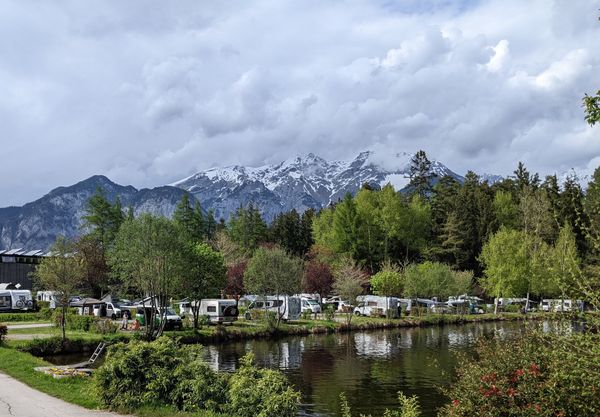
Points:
(288, 307)
(309, 304)
(556, 305)
(15, 300)
(219, 310)
(375, 305)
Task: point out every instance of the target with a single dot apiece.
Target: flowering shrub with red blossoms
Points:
(541, 375)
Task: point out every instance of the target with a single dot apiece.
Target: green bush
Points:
(137, 373)
(104, 327)
(199, 388)
(329, 312)
(164, 372)
(3, 332)
(257, 392)
(42, 305)
(80, 323)
(409, 407)
(512, 308)
(16, 317)
(306, 314)
(538, 375)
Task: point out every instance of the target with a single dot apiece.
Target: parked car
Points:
(173, 320)
(287, 306)
(219, 310)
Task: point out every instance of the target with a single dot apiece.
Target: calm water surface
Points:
(369, 367)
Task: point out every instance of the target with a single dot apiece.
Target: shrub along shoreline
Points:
(87, 342)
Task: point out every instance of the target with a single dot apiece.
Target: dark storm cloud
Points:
(149, 92)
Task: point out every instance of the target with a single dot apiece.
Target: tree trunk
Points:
(527, 303)
(495, 306)
(63, 322)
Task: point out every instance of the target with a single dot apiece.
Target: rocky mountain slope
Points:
(37, 224)
(300, 183)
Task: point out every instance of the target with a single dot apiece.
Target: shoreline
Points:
(242, 330)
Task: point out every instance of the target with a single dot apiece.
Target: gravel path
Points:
(19, 400)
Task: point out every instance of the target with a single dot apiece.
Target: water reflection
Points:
(370, 367)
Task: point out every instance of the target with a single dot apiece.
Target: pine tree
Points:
(420, 174)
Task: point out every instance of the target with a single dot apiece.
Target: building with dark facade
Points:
(16, 266)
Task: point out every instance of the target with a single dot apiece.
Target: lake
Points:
(369, 367)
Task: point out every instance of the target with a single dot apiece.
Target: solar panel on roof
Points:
(33, 252)
(2, 251)
(13, 251)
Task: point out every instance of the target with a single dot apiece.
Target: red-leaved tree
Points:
(235, 280)
(317, 278)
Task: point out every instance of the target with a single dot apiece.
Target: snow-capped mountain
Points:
(37, 224)
(299, 183)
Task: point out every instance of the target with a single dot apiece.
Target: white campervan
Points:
(286, 306)
(219, 310)
(375, 305)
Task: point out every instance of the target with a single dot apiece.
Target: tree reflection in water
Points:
(370, 367)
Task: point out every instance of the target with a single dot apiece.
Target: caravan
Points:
(13, 298)
(286, 306)
(219, 310)
(19, 300)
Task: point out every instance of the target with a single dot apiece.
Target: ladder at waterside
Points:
(97, 352)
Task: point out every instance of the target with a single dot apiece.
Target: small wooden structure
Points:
(90, 307)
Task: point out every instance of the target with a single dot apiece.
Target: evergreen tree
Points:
(102, 218)
(247, 227)
(420, 174)
(571, 211)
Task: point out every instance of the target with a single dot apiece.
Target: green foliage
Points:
(506, 210)
(63, 272)
(199, 388)
(204, 275)
(247, 228)
(147, 257)
(388, 281)
(103, 218)
(260, 392)
(409, 407)
(434, 279)
(420, 174)
(273, 272)
(20, 317)
(104, 326)
(293, 232)
(550, 374)
(591, 105)
(329, 311)
(141, 373)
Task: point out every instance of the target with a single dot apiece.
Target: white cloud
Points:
(150, 94)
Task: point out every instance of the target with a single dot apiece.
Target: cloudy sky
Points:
(150, 92)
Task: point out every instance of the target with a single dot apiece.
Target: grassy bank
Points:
(244, 330)
(80, 341)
